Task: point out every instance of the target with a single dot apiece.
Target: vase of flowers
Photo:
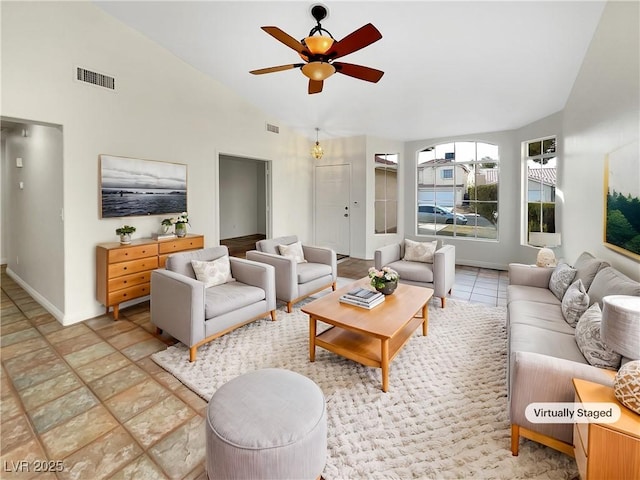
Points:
(385, 281)
(181, 225)
(125, 232)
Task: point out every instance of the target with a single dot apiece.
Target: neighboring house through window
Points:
(540, 163)
(457, 190)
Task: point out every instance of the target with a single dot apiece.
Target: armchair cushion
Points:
(270, 245)
(293, 251)
(310, 271)
(413, 271)
(215, 272)
(229, 297)
(419, 251)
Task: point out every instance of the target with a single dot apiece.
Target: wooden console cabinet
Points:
(123, 272)
(606, 451)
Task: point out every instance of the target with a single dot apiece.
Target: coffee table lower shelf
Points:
(366, 349)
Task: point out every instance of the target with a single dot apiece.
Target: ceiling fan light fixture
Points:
(318, 45)
(318, 70)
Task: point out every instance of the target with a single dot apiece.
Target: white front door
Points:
(332, 213)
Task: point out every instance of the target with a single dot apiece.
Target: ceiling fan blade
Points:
(315, 86)
(353, 42)
(279, 68)
(358, 71)
(287, 39)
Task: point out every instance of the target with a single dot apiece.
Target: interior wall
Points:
(602, 114)
(242, 197)
(162, 109)
(32, 226)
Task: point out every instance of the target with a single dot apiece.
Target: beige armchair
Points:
(295, 281)
(194, 314)
(439, 275)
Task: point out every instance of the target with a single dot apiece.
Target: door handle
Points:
(346, 214)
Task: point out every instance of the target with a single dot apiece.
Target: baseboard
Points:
(46, 304)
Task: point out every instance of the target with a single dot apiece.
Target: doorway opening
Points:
(245, 200)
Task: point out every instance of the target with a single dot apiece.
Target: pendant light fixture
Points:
(316, 151)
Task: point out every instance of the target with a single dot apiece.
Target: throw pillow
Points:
(626, 385)
(560, 280)
(586, 268)
(591, 345)
(294, 251)
(213, 273)
(419, 251)
(574, 303)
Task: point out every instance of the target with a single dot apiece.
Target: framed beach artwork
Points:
(132, 187)
(622, 200)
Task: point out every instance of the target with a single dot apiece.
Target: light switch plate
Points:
(18, 162)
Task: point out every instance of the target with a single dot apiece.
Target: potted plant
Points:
(385, 281)
(125, 232)
(181, 224)
(166, 224)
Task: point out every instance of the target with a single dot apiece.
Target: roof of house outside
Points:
(546, 175)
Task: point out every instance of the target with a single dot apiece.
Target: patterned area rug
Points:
(445, 415)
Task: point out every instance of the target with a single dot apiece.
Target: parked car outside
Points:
(436, 214)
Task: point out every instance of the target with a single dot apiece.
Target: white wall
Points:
(242, 197)
(163, 109)
(601, 115)
(32, 226)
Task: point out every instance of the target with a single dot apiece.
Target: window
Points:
(457, 186)
(386, 201)
(540, 169)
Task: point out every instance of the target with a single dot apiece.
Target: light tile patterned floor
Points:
(89, 395)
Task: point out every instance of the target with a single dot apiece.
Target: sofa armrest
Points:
(535, 377)
(322, 255)
(444, 270)
(177, 305)
(257, 274)
(285, 271)
(529, 275)
(386, 255)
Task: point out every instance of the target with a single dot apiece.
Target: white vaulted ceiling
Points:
(451, 67)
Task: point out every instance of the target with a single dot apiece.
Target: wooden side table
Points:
(606, 450)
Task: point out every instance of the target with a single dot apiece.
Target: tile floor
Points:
(88, 397)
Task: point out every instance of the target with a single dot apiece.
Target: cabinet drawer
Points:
(125, 281)
(125, 268)
(132, 253)
(129, 293)
(170, 246)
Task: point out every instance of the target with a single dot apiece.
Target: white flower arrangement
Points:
(380, 277)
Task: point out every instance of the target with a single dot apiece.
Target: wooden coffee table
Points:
(370, 337)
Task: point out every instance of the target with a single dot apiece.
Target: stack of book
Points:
(361, 297)
(162, 236)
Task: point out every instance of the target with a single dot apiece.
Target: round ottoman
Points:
(267, 424)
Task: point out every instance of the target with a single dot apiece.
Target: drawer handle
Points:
(124, 294)
(125, 281)
(126, 253)
(124, 268)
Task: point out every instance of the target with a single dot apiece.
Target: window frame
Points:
(388, 229)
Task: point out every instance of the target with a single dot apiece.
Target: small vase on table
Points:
(181, 230)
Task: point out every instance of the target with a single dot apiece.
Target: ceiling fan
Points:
(319, 52)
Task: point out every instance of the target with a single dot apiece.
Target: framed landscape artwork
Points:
(132, 187)
(622, 200)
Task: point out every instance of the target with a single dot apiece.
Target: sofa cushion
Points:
(413, 271)
(215, 272)
(529, 338)
(292, 251)
(560, 280)
(310, 271)
(591, 345)
(587, 266)
(610, 281)
(542, 315)
(230, 297)
(419, 251)
(532, 294)
(574, 303)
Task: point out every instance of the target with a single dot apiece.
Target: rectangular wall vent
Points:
(273, 128)
(95, 78)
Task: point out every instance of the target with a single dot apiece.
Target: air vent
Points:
(95, 78)
(273, 128)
